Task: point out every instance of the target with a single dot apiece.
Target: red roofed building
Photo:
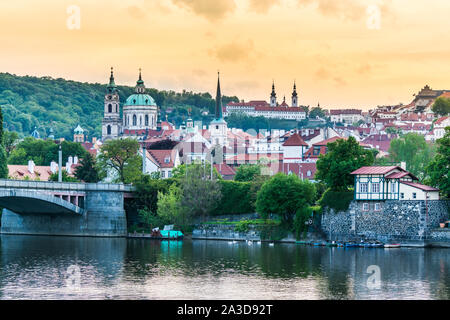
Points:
(162, 161)
(294, 149)
(225, 171)
(379, 183)
(346, 115)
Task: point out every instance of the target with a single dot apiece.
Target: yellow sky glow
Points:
(325, 45)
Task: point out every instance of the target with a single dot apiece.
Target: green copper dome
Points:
(140, 99)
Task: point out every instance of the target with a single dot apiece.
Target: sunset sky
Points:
(332, 48)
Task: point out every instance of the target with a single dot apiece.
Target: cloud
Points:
(136, 12)
(346, 10)
(234, 51)
(209, 9)
(262, 6)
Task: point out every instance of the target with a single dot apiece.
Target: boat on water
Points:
(331, 244)
(301, 242)
(167, 234)
(392, 245)
(351, 244)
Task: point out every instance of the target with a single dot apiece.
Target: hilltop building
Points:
(258, 108)
(78, 134)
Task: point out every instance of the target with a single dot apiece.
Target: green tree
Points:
(248, 172)
(3, 161)
(121, 156)
(439, 168)
(200, 194)
(342, 158)
(10, 140)
(65, 177)
(414, 150)
(284, 195)
(87, 171)
(169, 207)
(317, 112)
(441, 106)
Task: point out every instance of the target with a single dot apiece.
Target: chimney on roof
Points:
(53, 167)
(68, 167)
(75, 160)
(403, 165)
(31, 166)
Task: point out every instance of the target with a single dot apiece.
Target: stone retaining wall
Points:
(395, 221)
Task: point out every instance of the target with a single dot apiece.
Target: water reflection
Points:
(36, 268)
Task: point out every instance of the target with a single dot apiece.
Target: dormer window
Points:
(167, 160)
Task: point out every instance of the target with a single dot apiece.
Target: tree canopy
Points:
(441, 106)
(122, 157)
(439, 168)
(284, 195)
(87, 171)
(414, 150)
(343, 157)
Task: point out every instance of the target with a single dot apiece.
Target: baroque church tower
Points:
(273, 96)
(111, 124)
(294, 97)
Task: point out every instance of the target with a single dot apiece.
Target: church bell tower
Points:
(111, 124)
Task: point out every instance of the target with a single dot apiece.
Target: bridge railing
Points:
(69, 186)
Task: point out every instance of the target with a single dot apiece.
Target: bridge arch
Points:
(32, 202)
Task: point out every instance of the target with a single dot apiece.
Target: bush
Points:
(236, 198)
(337, 200)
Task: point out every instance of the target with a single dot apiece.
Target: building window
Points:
(134, 120)
(163, 174)
(110, 108)
(167, 159)
(393, 187)
(402, 195)
(108, 130)
(414, 195)
(308, 173)
(363, 187)
(365, 206)
(375, 187)
(146, 120)
(169, 174)
(377, 206)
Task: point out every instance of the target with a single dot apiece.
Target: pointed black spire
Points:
(112, 85)
(294, 93)
(218, 99)
(273, 94)
(140, 87)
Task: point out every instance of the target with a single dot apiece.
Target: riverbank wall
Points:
(411, 223)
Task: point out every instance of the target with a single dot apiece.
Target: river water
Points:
(40, 267)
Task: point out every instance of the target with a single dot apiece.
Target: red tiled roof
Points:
(160, 155)
(398, 175)
(440, 120)
(345, 111)
(294, 141)
(419, 186)
(325, 142)
(224, 169)
(376, 170)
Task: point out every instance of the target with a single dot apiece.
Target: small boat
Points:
(249, 242)
(271, 244)
(331, 244)
(351, 244)
(318, 244)
(301, 242)
(392, 245)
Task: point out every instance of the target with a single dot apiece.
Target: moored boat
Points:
(392, 245)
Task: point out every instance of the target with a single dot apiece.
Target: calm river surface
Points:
(47, 268)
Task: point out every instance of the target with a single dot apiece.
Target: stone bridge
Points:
(53, 208)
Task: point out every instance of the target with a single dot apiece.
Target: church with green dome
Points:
(140, 112)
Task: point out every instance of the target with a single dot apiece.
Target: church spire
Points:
(140, 87)
(294, 96)
(112, 85)
(273, 96)
(218, 99)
